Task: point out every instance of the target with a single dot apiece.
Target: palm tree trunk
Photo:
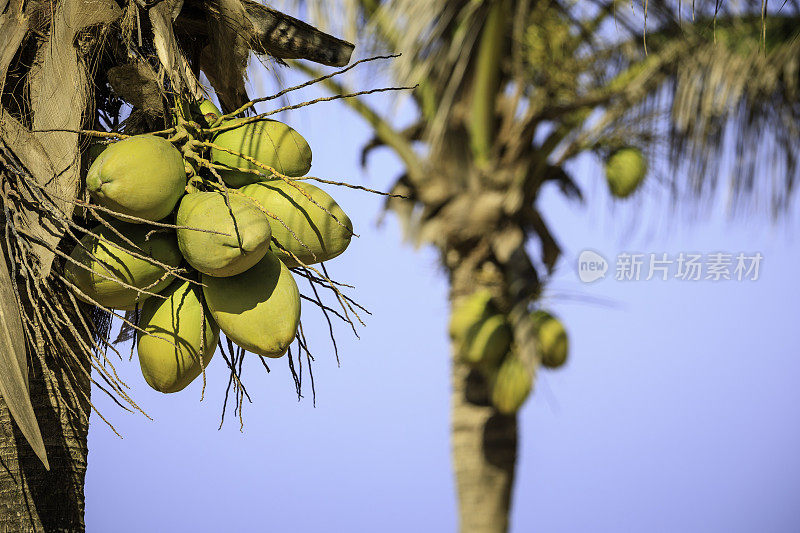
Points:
(484, 442)
(484, 455)
(32, 498)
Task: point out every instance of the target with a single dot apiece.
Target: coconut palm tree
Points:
(71, 70)
(509, 93)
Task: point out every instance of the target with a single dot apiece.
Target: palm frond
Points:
(722, 94)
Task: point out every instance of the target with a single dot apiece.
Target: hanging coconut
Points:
(489, 343)
(469, 312)
(625, 170)
(304, 227)
(258, 309)
(142, 176)
(209, 111)
(109, 261)
(203, 111)
(553, 340)
(512, 385)
(214, 254)
(270, 142)
(177, 332)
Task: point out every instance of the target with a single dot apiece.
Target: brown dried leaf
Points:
(136, 84)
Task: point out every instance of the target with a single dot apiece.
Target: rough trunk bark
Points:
(32, 498)
(484, 442)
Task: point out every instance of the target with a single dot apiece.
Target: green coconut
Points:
(625, 171)
(553, 340)
(301, 226)
(177, 332)
(512, 385)
(108, 261)
(258, 309)
(142, 176)
(210, 111)
(203, 112)
(490, 342)
(270, 142)
(469, 312)
(244, 245)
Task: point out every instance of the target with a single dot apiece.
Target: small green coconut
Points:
(512, 385)
(204, 112)
(108, 260)
(142, 176)
(468, 312)
(553, 340)
(302, 226)
(244, 245)
(270, 142)
(258, 309)
(210, 111)
(490, 342)
(177, 332)
(625, 170)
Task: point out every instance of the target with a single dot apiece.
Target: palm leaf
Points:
(14, 366)
(726, 91)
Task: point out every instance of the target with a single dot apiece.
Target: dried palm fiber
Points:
(41, 158)
(247, 231)
(136, 83)
(307, 223)
(259, 309)
(224, 59)
(176, 333)
(115, 274)
(53, 157)
(176, 67)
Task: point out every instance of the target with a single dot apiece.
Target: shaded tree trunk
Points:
(32, 498)
(484, 454)
(484, 442)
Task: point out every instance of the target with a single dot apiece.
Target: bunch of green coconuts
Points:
(483, 339)
(237, 242)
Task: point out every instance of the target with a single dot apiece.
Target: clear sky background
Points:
(679, 409)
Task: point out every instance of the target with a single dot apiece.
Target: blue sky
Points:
(677, 411)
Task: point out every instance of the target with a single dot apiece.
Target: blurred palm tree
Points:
(510, 93)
